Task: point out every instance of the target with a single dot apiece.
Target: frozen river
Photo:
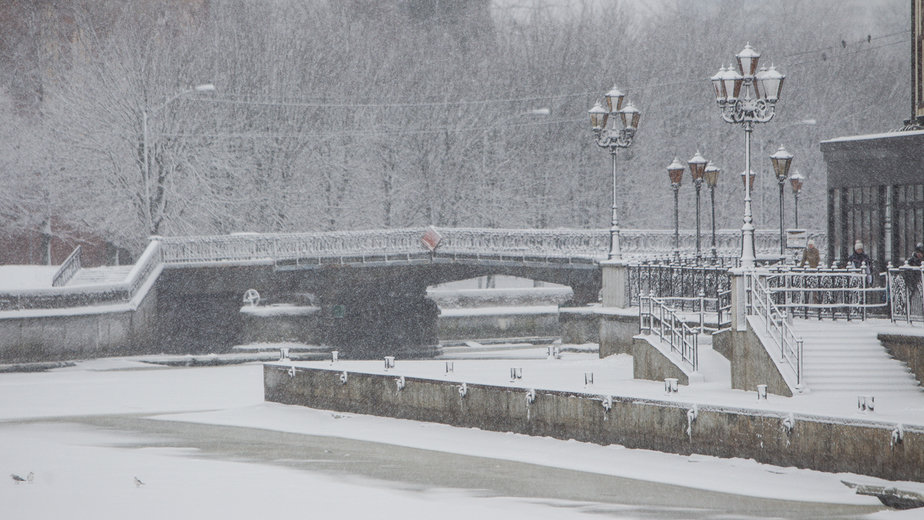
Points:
(205, 445)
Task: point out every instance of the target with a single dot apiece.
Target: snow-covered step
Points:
(848, 357)
(101, 275)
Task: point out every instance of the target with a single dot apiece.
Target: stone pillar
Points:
(615, 292)
(739, 296)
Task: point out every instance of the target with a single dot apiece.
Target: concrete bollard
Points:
(761, 392)
(670, 385)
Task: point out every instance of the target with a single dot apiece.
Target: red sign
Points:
(431, 239)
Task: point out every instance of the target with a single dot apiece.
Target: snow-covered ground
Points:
(85, 469)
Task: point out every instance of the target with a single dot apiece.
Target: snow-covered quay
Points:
(87, 431)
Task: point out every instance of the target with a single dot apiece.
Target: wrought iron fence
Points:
(669, 280)
(656, 317)
(826, 293)
(905, 289)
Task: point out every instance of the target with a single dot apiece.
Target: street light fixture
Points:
(781, 160)
(675, 174)
(612, 137)
(205, 87)
(712, 178)
(697, 171)
(796, 180)
(747, 96)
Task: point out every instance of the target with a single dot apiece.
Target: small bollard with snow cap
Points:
(866, 403)
(389, 362)
(450, 367)
(670, 385)
(333, 356)
(761, 392)
(588, 378)
(516, 373)
(283, 353)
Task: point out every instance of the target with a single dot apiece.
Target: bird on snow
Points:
(19, 480)
(138, 482)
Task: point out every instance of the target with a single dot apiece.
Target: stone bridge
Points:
(369, 287)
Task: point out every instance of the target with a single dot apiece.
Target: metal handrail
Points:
(826, 292)
(777, 323)
(68, 269)
(656, 317)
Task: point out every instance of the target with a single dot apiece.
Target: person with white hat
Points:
(861, 260)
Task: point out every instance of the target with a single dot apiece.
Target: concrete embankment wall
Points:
(819, 443)
(76, 333)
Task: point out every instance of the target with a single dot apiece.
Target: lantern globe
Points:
(675, 172)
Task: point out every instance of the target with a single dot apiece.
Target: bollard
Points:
(761, 392)
(389, 362)
(283, 353)
(588, 378)
(333, 356)
(516, 373)
(450, 367)
(866, 403)
(670, 385)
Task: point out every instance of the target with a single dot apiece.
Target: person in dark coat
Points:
(917, 257)
(861, 260)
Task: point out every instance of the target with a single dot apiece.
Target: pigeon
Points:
(138, 482)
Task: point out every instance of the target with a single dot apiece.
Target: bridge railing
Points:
(590, 244)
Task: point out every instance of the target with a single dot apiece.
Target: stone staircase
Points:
(100, 275)
(847, 357)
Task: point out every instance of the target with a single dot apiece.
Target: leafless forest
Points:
(359, 114)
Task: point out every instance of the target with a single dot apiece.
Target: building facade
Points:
(875, 183)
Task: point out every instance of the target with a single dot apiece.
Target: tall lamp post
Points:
(796, 180)
(675, 174)
(781, 160)
(613, 138)
(712, 178)
(747, 96)
(145, 113)
(697, 171)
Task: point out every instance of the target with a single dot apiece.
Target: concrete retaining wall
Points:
(79, 333)
(617, 328)
(813, 442)
(578, 325)
(909, 349)
(650, 363)
(480, 326)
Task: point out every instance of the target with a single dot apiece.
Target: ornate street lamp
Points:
(697, 171)
(747, 96)
(675, 174)
(612, 137)
(712, 178)
(796, 180)
(781, 160)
